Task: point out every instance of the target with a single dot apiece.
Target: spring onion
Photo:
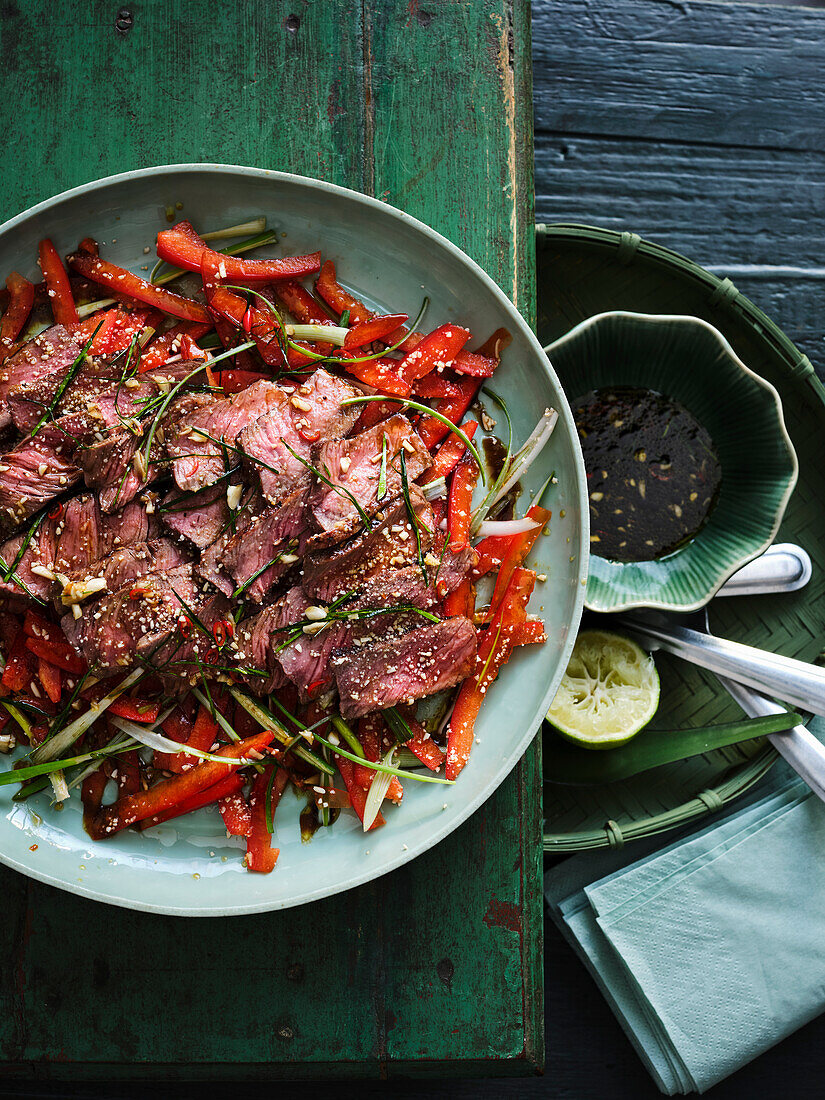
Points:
(378, 789)
(54, 746)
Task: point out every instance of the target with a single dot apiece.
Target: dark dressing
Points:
(652, 473)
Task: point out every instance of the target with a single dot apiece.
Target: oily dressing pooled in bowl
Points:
(652, 472)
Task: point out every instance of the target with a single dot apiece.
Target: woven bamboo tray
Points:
(581, 271)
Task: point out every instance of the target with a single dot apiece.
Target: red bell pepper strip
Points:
(435, 385)
(460, 503)
(436, 352)
(189, 350)
(225, 304)
(461, 601)
(300, 303)
(236, 814)
(493, 652)
(171, 792)
(357, 794)
(182, 247)
(383, 374)
(377, 328)
(121, 330)
(90, 245)
(21, 300)
(233, 381)
(337, 298)
(516, 554)
(57, 282)
(423, 746)
(135, 710)
(160, 349)
(447, 456)
(306, 311)
(127, 767)
(125, 282)
(203, 736)
(46, 640)
(432, 431)
(373, 413)
(51, 679)
(91, 795)
(177, 727)
(97, 328)
(370, 731)
(19, 669)
(475, 365)
(224, 788)
(260, 855)
(530, 632)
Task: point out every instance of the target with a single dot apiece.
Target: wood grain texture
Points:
(436, 968)
(699, 126)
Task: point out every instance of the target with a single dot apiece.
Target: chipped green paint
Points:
(430, 109)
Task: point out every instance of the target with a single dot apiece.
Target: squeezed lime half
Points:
(609, 692)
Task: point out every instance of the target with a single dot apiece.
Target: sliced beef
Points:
(307, 661)
(197, 460)
(198, 517)
(110, 467)
(255, 651)
(425, 660)
(211, 565)
(329, 573)
(33, 473)
(275, 538)
(189, 654)
(129, 563)
(354, 465)
(71, 541)
(307, 416)
(133, 622)
(98, 393)
(51, 353)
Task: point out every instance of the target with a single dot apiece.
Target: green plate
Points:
(189, 867)
(583, 271)
(689, 360)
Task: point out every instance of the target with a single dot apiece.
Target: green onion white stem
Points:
(254, 225)
(330, 334)
(51, 749)
(516, 466)
(380, 767)
(378, 789)
(269, 722)
(148, 736)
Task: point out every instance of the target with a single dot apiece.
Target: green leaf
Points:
(567, 763)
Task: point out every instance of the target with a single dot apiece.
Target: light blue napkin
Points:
(711, 950)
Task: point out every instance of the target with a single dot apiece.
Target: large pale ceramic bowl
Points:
(687, 359)
(392, 260)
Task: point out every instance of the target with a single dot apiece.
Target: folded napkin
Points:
(711, 950)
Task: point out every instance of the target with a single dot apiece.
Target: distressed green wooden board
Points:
(430, 109)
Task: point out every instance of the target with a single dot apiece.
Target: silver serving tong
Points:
(742, 668)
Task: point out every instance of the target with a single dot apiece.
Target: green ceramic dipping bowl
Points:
(688, 360)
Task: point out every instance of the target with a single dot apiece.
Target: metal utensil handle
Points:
(783, 567)
(798, 745)
(793, 681)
